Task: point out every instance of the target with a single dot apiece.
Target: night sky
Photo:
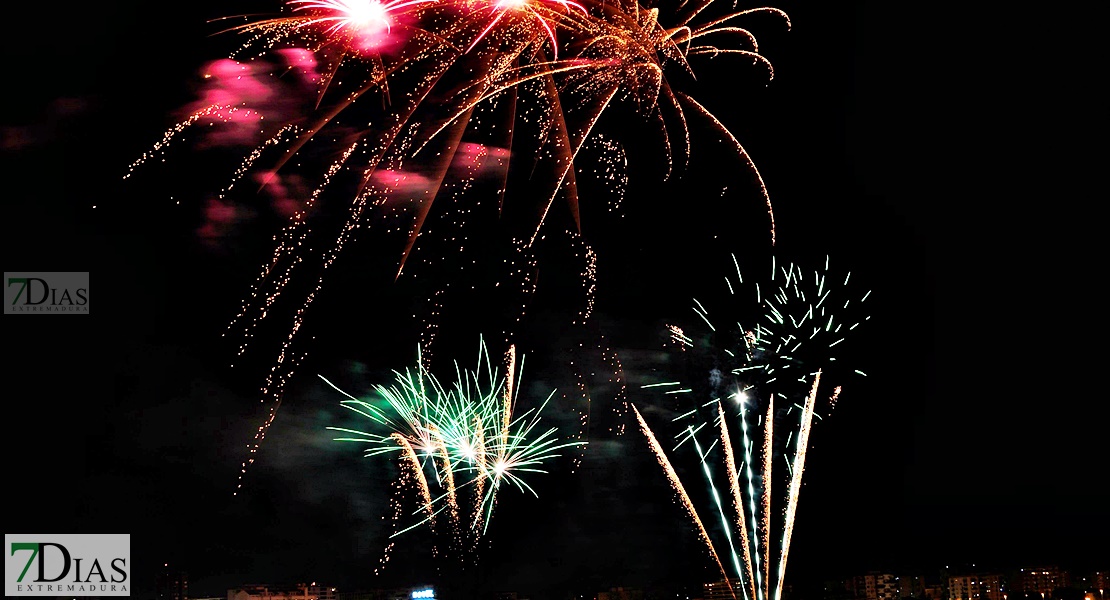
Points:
(937, 153)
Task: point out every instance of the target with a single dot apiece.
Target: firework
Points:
(795, 328)
(404, 86)
(757, 581)
(773, 334)
(737, 502)
(796, 481)
(679, 489)
(457, 439)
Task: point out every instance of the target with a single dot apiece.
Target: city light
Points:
(427, 593)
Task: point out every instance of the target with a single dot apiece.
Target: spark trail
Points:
(679, 489)
(796, 482)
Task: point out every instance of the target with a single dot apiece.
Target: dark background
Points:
(946, 154)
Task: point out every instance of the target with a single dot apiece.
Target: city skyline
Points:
(969, 582)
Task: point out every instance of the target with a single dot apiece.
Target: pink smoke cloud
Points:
(257, 94)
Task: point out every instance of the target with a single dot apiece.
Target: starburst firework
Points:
(791, 342)
(463, 440)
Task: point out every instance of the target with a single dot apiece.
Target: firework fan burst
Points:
(795, 320)
(750, 394)
(420, 103)
(457, 445)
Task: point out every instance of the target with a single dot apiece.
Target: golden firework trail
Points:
(756, 576)
(737, 499)
(476, 524)
(720, 508)
(477, 517)
(796, 481)
(448, 474)
(758, 583)
(416, 471)
(768, 456)
(676, 484)
(507, 409)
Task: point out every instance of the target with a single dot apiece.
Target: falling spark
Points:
(415, 471)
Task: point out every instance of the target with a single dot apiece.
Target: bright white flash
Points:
(468, 451)
(366, 17)
(366, 13)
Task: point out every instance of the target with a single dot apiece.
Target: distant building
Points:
(872, 586)
(934, 592)
(719, 590)
(857, 587)
(364, 595)
(172, 584)
(911, 586)
(420, 592)
(300, 591)
(622, 593)
(881, 586)
(838, 589)
(1040, 581)
(976, 587)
